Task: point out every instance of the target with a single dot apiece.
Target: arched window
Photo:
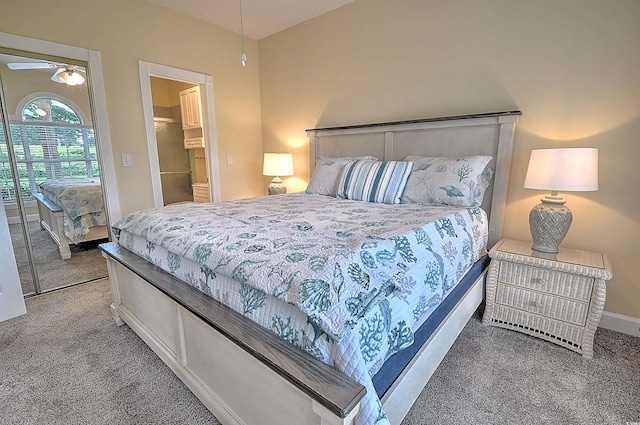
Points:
(52, 140)
(51, 110)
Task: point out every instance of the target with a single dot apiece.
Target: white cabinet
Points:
(194, 143)
(200, 193)
(190, 108)
(191, 112)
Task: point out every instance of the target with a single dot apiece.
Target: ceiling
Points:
(261, 18)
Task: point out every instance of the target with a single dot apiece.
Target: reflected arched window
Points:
(52, 139)
(51, 110)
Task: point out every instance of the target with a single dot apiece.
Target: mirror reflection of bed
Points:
(72, 211)
(70, 224)
(56, 212)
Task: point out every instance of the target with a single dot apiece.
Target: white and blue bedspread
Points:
(347, 281)
(82, 203)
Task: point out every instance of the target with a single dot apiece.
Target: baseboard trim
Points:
(619, 323)
(30, 218)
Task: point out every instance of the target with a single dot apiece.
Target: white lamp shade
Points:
(278, 164)
(568, 169)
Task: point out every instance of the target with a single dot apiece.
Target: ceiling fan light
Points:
(68, 77)
(75, 78)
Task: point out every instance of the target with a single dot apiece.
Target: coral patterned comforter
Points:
(82, 203)
(347, 281)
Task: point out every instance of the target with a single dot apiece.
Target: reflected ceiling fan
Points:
(71, 75)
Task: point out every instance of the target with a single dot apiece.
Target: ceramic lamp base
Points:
(277, 187)
(549, 222)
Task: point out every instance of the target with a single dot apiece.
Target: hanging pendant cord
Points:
(243, 58)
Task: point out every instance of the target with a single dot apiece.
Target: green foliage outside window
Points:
(61, 148)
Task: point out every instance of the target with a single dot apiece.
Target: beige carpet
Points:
(66, 362)
(86, 262)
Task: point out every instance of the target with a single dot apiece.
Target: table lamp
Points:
(569, 169)
(277, 164)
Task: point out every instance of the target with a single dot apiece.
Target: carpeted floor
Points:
(66, 362)
(86, 262)
(496, 376)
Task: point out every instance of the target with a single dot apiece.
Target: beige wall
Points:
(571, 66)
(160, 92)
(126, 31)
(166, 97)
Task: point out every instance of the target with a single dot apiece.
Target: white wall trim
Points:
(147, 70)
(619, 323)
(98, 104)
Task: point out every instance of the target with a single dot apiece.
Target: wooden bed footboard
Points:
(52, 220)
(240, 371)
(243, 373)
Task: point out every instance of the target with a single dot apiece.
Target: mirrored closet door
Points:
(49, 172)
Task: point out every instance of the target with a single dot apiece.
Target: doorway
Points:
(51, 135)
(199, 139)
(182, 157)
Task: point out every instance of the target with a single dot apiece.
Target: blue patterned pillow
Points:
(327, 174)
(459, 182)
(374, 181)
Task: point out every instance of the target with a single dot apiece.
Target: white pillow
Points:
(374, 181)
(451, 181)
(325, 177)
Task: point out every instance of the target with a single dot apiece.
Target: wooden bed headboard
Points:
(479, 134)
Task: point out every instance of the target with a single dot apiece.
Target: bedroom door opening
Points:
(180, 142)
(50, 143)
(183, 153)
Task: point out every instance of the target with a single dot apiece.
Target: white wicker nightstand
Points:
(556, 297)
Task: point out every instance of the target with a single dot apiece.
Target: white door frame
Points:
(11, 297)
(148, 70)
(98, 103)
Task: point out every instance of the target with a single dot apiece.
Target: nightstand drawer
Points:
(542, 304)
(548, 281)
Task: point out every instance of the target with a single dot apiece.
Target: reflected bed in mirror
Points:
(72, 211)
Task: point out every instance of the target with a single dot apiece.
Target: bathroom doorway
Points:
(182, 158)
(179, 120)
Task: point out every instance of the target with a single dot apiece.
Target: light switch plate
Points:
(126, 160)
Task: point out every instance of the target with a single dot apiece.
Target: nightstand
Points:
(556, 297)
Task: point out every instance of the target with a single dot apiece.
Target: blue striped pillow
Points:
(374, 181)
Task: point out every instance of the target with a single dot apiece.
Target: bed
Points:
(72, 211)
(249, 367)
